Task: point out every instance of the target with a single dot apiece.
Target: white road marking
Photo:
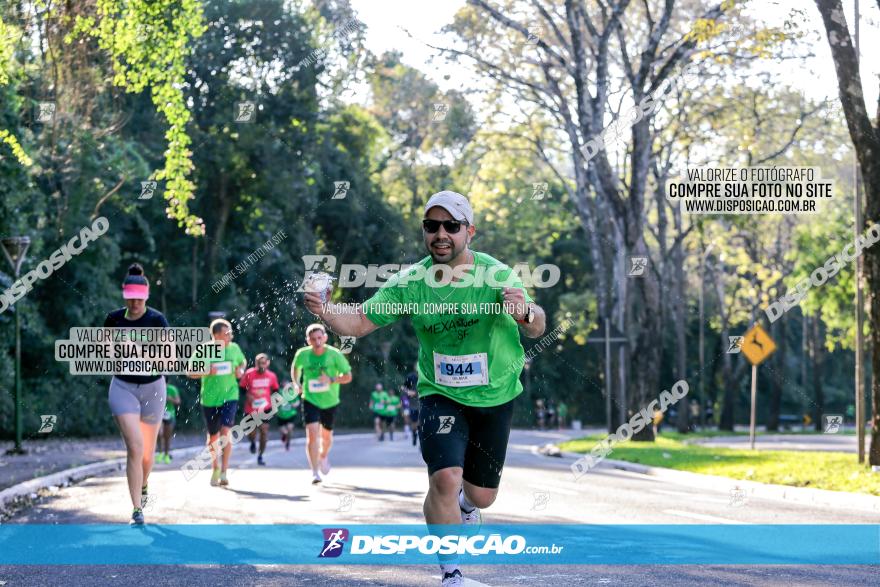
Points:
(703, 517)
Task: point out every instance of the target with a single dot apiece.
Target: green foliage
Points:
(148, 43)
(8, 37)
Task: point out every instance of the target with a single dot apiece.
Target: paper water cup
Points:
(319, 283)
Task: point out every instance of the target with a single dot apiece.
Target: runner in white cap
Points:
(469, 361)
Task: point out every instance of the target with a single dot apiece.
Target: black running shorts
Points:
(285, 421)
(312, 413)
(220, 416)
(455, 435)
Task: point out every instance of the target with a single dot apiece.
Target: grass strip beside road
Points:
(819, 470)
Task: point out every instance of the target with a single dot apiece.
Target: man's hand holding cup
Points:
(317, 287)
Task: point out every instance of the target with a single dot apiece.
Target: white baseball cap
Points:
(454, 203)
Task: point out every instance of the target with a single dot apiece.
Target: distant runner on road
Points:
(219, 397)
(317, 371)
(169, 419)
(258, 383)
(392, 409)
(469, 363)
(377, 405)
(287, 413)
(409, 390)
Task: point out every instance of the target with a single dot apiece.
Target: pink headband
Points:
(134, 291)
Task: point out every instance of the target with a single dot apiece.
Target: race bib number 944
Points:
(461, 370)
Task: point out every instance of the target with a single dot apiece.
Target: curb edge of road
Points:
(73, 475)
(803, 495)
(11, 495)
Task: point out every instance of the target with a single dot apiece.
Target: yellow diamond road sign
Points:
(757, 345)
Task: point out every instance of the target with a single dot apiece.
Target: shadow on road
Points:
(375, 491)
(264, 495)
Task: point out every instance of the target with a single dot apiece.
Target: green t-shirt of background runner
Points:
(377, 400)
(170, 408)
(392, 406)
(217, 389)
(332, 362)
(496, 334)
(288, 409)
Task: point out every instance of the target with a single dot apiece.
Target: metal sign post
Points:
(607, 335)
(14, 249)
(756, 346)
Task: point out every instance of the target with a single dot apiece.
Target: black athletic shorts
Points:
(413, 416)
(312, 413)
(455, 435)
(220, 416)
(388, 419)
(285, 421)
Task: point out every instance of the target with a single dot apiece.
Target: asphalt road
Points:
(385, 482)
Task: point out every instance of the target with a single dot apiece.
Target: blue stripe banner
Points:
(204, 544)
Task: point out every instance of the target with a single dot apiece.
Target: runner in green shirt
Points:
(377, 405)
(392, 408)
(287, 413)
(317, 371)
(219, 396)
(469, 360)
(563, 415)
(169, 418)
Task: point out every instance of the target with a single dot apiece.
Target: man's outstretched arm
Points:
(343, 320)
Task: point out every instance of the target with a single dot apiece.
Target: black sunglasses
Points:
(450, 226)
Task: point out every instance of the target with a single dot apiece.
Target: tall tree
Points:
(865, 136)
(574, 62)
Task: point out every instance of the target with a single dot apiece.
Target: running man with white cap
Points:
(469, 361)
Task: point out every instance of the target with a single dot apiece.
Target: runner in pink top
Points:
(259, 383)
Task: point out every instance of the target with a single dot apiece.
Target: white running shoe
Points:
(316, 479)
(472, 518)
(325, 465)
(453, 579)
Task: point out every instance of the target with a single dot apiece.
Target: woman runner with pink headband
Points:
(137, 402)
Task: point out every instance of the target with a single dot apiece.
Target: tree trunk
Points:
(805, 361)
(647, 368)
(817, 344)
(728, 399)
(680, 305)
(865, 137)
(224, 207)
(194, 267)
(779, 333)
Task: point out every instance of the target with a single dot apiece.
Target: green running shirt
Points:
(472, 356)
